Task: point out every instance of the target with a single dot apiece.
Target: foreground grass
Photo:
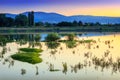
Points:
(29, 55)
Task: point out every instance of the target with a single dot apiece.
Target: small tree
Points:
(80, 23)
(37, 38)
(71, 37)
(52, 37)
(75, 23)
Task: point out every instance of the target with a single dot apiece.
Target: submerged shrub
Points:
(52, 37)
(37, 37)
(71, 36)
(71, 44)
(52, 45)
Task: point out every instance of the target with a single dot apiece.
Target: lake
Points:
(98, 60)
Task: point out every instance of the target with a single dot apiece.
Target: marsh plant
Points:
(4, 40)
(37, 38)
(52, 45)
(52, 69)
(30, 55)
(52, 37)
(23, 71)
(71, 36)
(4, 50)
(65, 68)
(71, 44)
(37, 70)
(53, 52)
(52, 40)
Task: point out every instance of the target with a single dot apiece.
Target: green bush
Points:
(71, 36)
(37, 37)
(52, 37)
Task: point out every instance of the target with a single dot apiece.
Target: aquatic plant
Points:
(71, 36)
(52, 37)
(28, 55)
(23, 71)
(37, 38)
(65, 68)
(71, 44)
(30, 50)
(52, 45)
(51, 68)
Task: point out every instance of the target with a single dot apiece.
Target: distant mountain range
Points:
(55, 18)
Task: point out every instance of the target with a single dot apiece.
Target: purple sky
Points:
(56, 2)
(18, 6)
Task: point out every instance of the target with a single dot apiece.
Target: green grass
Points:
(30, 50)
(28, 55)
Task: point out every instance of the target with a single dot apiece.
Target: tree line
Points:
(73, 24)
(19, 20)
(22, 21)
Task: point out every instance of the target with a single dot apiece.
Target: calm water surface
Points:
(95, 61)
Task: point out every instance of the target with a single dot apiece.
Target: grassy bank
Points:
(28, 30)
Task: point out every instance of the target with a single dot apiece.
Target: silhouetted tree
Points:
(61, 24)
(80, 23)
(31, 18)
(39, 24)
(97, 24)
(2, 20)
(48, 24)
(75, 23)
(9, 22)
(21, 20)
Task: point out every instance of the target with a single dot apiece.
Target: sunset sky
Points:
(65, 7)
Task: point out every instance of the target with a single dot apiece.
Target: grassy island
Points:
(30, 50)
(29, 55)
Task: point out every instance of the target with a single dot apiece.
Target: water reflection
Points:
(65, 68)
(52, 68)
(37, 73)
(82, 60)
(2, 53)
(23, 71)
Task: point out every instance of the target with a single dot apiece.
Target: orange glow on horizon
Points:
(109, 10)
(95, 11)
